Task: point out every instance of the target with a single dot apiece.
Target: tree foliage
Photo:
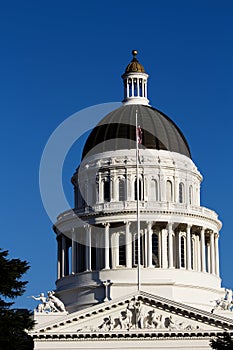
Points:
(223, 342)
(13, 322)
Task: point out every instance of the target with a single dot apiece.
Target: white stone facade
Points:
(179, 238)
(98, 280)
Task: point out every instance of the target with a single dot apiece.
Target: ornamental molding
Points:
(69, 217)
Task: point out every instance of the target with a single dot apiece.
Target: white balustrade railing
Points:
(160, 207)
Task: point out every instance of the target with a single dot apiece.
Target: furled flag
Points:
(139, 135)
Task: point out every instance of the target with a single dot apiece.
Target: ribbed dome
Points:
(134, 66)
(116, 131)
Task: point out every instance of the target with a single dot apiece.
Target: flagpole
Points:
(138, 208)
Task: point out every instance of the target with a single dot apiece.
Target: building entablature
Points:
(157, 212)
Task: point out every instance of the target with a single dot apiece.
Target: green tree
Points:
(13, 322)
(222, 342)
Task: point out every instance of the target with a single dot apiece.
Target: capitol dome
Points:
(137, 256)
(118, 128)
(137, 222)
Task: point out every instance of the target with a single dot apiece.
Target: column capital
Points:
(170, 225)
(149, 225)
(128, 223)
(106, 224)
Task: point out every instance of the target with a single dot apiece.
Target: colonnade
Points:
(112, 188)
(163, 245)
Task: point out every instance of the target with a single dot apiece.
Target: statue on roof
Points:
(50, 303)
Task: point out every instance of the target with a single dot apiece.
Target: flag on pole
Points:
(139, 135)
(139, 141)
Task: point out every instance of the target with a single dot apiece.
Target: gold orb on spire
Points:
(134, 65)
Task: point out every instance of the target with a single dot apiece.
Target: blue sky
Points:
(58, 57)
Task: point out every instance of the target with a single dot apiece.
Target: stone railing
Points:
(127, 206)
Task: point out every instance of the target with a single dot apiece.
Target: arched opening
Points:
(130, 87)
(135, 87)
(140, 87)
(169, 192)
(181, 192)
(122, 192)
(106, 190)
(191, 194)
(140, 189)
(182, 252)
(154, 190)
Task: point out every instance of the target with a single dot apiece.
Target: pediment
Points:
(137, 313)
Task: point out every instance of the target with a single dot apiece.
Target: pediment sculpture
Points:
(49, 304)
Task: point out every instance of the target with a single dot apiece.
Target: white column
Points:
(170, 245)
(74, 252)
(113, 188)
(149, 244)
(106, 246)
(63, 257)
(117, 249)
(128, 245)
(127, 87)
(178, 244)
(208, 257)
(212, 253)
(160, 248)
(164, 248)
(88, 248)
(59, 255)
(216, 254)
(114, 250)
(198, 254)
(203, 257)
(188, 247)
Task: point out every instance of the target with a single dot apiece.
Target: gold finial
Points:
(134, 53)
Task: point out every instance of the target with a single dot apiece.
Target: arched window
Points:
(155, 250)
(191, 194)
(122, 252)
(140, 87)
(169, 193)
(130, 87)
(106, 190)
(154, 190)
(122, 194)
(181, 192)
(135, 87)
(140, 189)
(182, 251)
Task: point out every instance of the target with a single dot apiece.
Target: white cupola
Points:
(135, 82)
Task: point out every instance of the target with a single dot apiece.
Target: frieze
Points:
(136, 315)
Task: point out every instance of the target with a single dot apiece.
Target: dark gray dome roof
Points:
(116, 131)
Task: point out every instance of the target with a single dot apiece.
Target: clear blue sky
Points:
(58, 57)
